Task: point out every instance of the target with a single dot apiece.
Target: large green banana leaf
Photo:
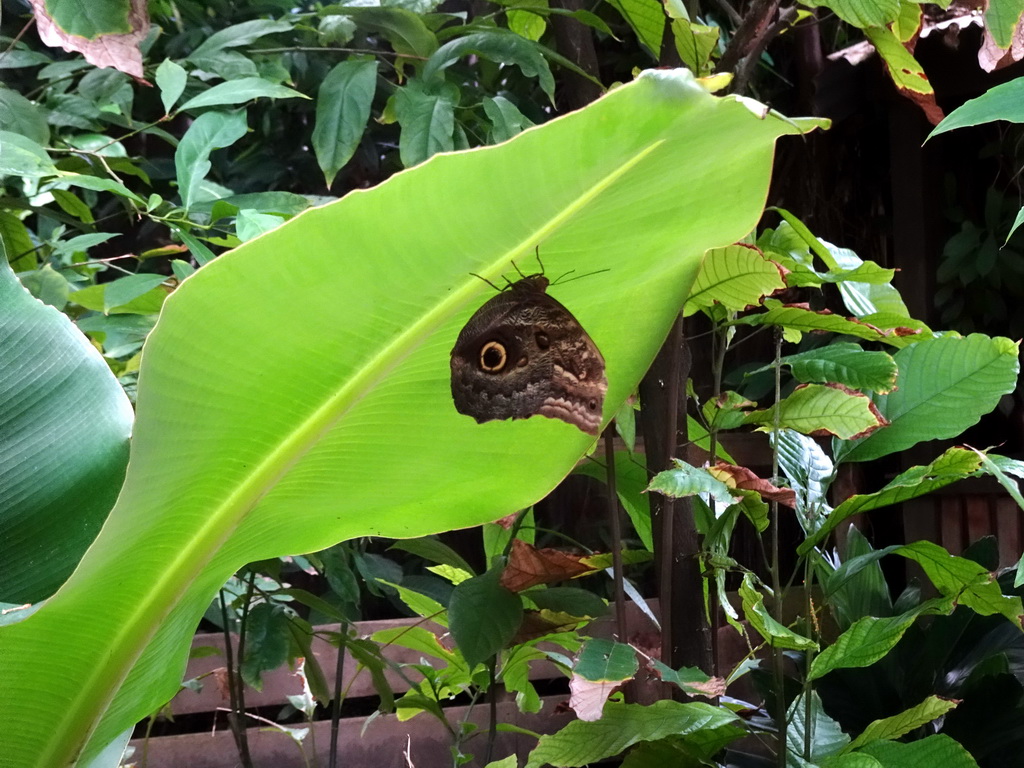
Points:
(295, 392)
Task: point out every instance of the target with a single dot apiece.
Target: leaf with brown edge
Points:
(824, 409)
(745, 479)
(528, 566)
(120, 51)
(690, 679)
(544, 622)
(801, 318)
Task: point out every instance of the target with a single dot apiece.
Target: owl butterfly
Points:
(523, 354)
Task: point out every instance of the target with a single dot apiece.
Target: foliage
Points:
(281, 377)
(341, 379)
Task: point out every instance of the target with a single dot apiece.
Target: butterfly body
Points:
(523, 354)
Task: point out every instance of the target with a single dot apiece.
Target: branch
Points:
(748, 33)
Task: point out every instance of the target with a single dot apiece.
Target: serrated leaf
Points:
(899, 725)
(944, 386)
(846, 364)
(803, 319)
(953, 465)
(623, 725)
(774, 633)
(686, 480)
(735, 277)
(870, 638)
(815, 409)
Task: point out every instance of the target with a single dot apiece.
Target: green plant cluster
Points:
(281, 377)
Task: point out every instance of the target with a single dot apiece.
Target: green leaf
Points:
(991, 465)
(602, 660)
(813, 408)
(250, 224)
(890, 728)
(690, 679)
(170, 79)
(686, 480)
(342, 109)
(955, 464)
(499, 46)
(908, 22)
(735, 277)
(506, 119)
(938, 749)
(240, 91)
(809, 471)
(623, 725)
(20, 116)
(1001, 20)
(647, 19)
(570, 600)
(964, 580)
(433, 550)
(267, 637)
(426, 113)
(483, 616)
(870, 638)
(238, 35)
(209, 131)
(774, 633)
(944, 386)
(244, 451)
(845, 364)
(64, 427)
(1001, 102)
(121, 291)
(405, 30)
(860, 13)
(91, 20)
(21, 156)
(803, 320)
(824, 736)
(905, 71)
(695, 43)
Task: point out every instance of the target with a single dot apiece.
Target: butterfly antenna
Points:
(536, 252)
(516, 266)
(499, 290)
(578, 277)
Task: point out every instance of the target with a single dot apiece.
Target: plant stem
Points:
(492, 714)
(777, 657)
(616, 525)
(235, 720)
(339, 671)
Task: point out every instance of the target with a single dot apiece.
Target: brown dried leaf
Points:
(744, 479)
(220, 679)
(712, 688)
(117, 51)
(588, 697)
(529, 566)
(507, 521)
